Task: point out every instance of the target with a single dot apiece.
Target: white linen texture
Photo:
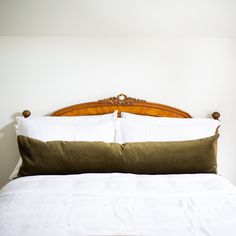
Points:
(118, 204)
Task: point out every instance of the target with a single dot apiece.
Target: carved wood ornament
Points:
(121, 99)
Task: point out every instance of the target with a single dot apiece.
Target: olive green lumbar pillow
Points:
(63, 157)
(178, 157)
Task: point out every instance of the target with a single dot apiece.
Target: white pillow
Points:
(70, 128)
(135, 128)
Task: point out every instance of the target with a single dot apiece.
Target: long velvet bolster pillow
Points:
(63, 157)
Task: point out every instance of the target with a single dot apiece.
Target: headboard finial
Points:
(215, 115)
(26, 113)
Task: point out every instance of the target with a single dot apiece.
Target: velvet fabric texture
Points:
(75, 157)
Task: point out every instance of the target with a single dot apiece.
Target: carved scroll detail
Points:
(121, 99)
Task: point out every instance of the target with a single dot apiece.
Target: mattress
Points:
(118, 204)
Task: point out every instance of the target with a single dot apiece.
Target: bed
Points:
(187, 198)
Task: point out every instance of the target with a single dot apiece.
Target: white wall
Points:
(43, 74)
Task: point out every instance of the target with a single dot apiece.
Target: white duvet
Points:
(118, 204)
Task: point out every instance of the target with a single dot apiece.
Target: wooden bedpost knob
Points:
(216, 115)
(26, 113)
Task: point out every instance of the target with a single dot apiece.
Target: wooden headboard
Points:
(122, 103)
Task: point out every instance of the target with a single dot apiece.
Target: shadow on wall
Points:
(9, 154)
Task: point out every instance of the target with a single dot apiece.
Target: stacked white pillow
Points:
(138, 128)
(74, 128)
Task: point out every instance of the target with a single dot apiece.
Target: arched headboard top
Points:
(122, 103)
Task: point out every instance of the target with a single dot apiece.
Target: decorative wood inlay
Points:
(121, 99)
(121, 103)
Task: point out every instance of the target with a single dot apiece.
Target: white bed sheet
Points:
(118, 204)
